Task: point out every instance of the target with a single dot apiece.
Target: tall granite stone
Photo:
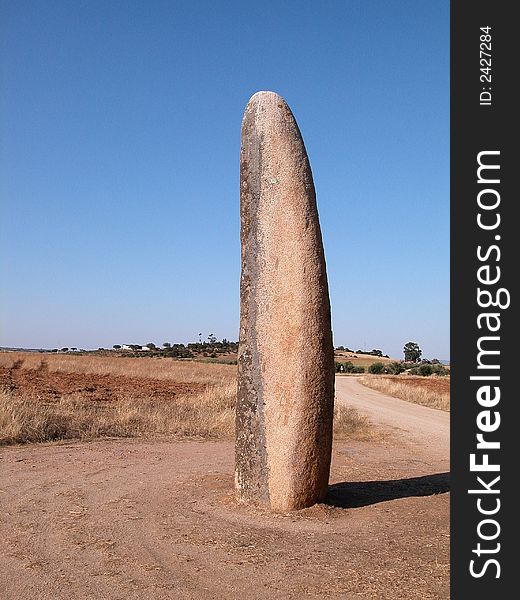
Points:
(286, 359)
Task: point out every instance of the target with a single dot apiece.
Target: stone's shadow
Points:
(364, 493)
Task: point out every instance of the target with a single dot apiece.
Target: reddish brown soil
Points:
(139, 520)
(150, 519)
(50, 386)
(434, 384)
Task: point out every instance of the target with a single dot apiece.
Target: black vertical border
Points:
(475, 128)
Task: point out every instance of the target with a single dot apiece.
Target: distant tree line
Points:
(348, 367)
(412, 352)
(210, 348)
(374, 352)
(395, 368)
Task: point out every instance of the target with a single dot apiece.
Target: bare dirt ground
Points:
(157, 519)
(50, 386)
(425, 430)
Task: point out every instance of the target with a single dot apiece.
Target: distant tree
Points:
(200, 338)
(412, 352)
(212, 339)
(64, 349)
(167, 345)
(346, 367)
(436, 361)
(424, 370)
(151, 346)
(73, 349)
(376, 368)
(116, 347)
(395, 368)
(440, 370)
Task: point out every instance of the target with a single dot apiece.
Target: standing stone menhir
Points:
(286, 358)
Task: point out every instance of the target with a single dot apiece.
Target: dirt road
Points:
(157, 519)
(426, 429)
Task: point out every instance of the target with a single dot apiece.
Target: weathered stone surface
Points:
(286, 358)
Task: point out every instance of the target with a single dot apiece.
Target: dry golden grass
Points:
(208, 414)
(349, 424)
(359, 360)
(182, 371)
(429, 391)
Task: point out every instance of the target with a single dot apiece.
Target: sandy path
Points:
(427, 429)
(137, 519)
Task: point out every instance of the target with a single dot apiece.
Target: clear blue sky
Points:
(120, 128)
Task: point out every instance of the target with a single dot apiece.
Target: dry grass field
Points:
(182, 371)
(360, 360)
(428, 391)
(46, 397)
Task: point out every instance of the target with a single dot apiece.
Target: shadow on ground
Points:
(363, 493)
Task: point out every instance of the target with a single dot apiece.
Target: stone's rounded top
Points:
(266, 101)
(265, 95)
(267, 111)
